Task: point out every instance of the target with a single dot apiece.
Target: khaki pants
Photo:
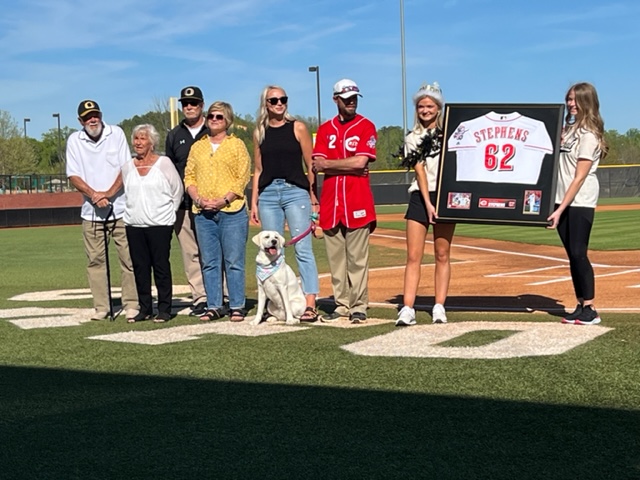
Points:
(186, 233)
(93, 234)
(348, 256)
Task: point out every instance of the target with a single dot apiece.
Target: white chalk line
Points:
(484, 249)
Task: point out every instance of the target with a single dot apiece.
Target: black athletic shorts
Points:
(417, 209)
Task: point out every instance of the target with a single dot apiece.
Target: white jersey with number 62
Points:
(500, 148)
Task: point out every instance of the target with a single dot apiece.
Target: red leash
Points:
(297, 238)
(312, 227)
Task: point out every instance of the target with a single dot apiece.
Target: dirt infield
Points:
(490, 275)
(611, 208)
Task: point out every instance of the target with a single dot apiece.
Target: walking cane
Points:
(106, 256)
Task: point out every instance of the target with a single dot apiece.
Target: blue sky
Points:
(130, 55)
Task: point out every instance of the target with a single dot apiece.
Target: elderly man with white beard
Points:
(95, 156)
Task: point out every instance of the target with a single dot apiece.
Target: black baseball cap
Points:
(86, 107)
(191, 93)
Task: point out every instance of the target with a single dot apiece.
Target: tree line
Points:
(20, 155)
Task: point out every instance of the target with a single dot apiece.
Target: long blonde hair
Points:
(417, 124)
(434, 92)
(262, 116)
(588, 117)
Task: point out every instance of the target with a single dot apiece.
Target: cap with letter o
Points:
(191, 93)
(86, 107)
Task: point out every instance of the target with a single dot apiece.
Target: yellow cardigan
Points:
(216, 174)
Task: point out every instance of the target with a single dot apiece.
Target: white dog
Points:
(277, 282)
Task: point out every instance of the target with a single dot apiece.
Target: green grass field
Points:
(296, 404)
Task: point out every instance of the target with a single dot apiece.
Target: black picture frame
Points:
(489, 159)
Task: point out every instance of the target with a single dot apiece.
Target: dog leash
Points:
(312, 227)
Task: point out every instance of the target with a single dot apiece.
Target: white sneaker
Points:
(438, 314)
(406, 317)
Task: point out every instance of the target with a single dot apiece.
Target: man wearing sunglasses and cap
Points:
(344, 147)
(95, 156)
(178, 144)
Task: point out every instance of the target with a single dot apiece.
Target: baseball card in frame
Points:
(499, 163)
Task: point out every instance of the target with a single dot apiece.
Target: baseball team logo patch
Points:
(459, 133)
(371, 143)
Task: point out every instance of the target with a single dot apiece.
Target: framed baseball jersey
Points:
(499, 163)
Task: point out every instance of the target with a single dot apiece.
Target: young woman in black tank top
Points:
(281, 189)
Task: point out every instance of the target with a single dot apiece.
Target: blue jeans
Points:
(223, 236)
(280, 200)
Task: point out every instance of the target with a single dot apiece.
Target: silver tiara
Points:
(433, 91)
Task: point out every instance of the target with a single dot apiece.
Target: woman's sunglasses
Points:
(217, 116)
(275, 100)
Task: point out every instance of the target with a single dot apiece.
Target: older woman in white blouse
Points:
(153, 191)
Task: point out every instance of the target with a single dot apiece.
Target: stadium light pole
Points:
(316, 69)
(57, 115)
(25, 126)
(404, 70)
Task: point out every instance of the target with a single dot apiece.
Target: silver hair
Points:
(150, 131)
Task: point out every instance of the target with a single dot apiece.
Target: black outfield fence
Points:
(617, 181)
(40, 217)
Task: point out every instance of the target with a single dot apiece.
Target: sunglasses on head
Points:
(348, 88)
(217, 116)
(275, 100)
(190, 103)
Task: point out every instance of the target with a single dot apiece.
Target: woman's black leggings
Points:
(574, 229)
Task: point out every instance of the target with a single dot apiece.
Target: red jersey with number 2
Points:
(346, 199)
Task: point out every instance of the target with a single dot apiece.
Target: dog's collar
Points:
(265, 271)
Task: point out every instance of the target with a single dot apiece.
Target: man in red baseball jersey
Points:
(344, 147)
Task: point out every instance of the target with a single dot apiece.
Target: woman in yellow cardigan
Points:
(216, 176)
